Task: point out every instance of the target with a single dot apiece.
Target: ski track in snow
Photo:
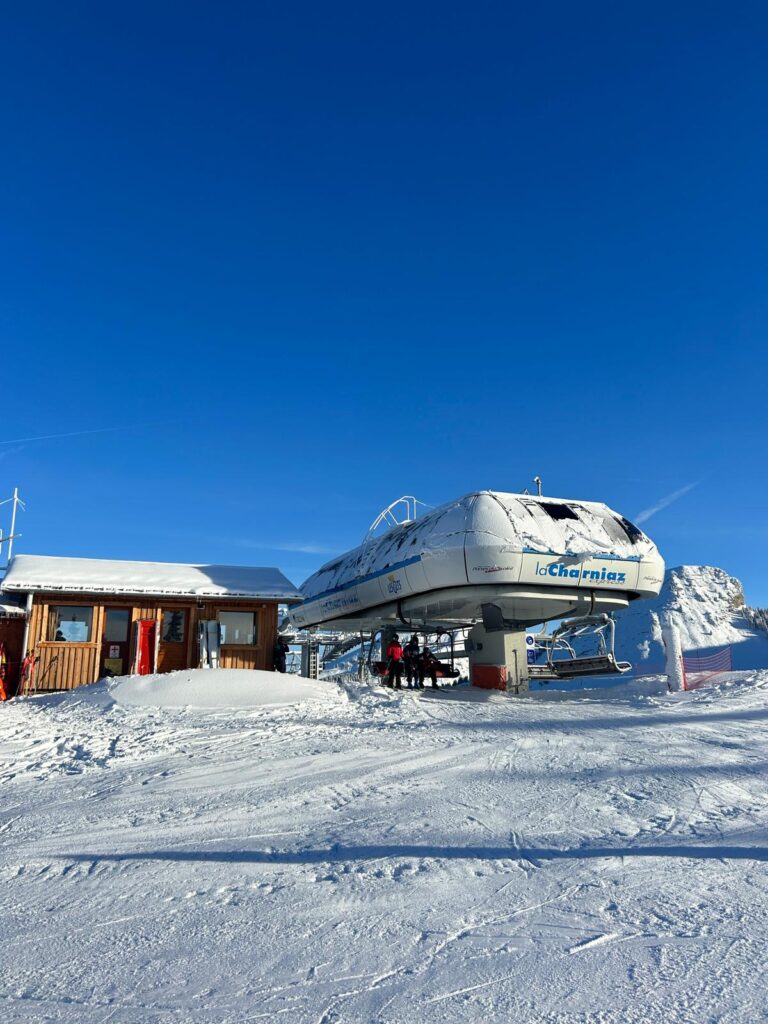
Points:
(387, 859)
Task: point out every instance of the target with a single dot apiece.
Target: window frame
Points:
(112, 640)
(240, 611)
(184, 612)
(53, 614)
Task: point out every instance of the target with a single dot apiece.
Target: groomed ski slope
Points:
(364, 856)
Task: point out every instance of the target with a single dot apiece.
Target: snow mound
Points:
(219, 688)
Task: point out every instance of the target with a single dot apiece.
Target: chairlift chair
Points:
(563, 662)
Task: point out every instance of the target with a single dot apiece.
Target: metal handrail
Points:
(388, 516)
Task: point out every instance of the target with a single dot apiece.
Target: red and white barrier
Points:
(700, 668)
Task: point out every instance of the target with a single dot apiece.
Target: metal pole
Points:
(13, 523)
(25, 641)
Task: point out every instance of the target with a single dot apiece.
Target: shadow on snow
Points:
(342, 854)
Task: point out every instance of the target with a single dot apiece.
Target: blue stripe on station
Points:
(581, 554)
(417, 558)
(364, 579)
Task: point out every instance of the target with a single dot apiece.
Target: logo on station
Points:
(334, 604)
(395, 585)
(562, 571)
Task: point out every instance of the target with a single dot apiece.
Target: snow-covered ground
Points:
(365, 856)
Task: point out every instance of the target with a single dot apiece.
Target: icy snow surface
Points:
(379, 857)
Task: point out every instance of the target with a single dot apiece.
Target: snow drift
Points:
(217, 688)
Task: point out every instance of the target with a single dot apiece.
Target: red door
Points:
(145, 646)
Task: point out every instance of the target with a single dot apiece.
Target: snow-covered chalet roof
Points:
(30, 573)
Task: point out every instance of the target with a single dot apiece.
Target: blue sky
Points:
(306, 258)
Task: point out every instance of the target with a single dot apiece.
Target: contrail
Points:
(71, 433)
(309, 548)
(642, 517)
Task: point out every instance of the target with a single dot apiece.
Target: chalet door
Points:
(172, 649)
(12, 635)
(115, 648)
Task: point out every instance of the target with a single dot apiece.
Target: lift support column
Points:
(498, 659)
(310, 659)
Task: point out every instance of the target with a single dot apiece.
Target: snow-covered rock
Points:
(706, 605)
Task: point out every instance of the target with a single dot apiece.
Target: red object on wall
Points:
(3, 669)
(490, 677)
(145, 646)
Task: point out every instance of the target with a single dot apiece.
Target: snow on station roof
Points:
(30, 573)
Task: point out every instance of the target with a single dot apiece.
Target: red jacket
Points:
(395, 651)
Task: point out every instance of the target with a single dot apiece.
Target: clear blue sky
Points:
(310, 257)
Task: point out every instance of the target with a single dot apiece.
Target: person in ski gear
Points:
(279, 651)
(428, 667)
(411, 662)
(395, 664)
(4, 694)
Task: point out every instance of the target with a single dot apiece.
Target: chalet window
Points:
(116, 625)
(238, 628)
(70, 623)
(174, 621)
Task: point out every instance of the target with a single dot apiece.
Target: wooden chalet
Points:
(82, 619)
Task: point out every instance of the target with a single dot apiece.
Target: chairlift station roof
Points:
(34, 573)
(511, 559)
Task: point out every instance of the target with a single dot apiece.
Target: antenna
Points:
(12, 535)
(537, 481)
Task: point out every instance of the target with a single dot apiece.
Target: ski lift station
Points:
(496, 564)
(487, 567)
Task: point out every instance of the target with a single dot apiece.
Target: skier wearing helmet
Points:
(395, 663)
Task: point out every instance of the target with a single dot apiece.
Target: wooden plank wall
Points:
(234, 656)
(64, 666)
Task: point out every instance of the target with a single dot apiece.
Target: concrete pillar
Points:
(498, 660)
